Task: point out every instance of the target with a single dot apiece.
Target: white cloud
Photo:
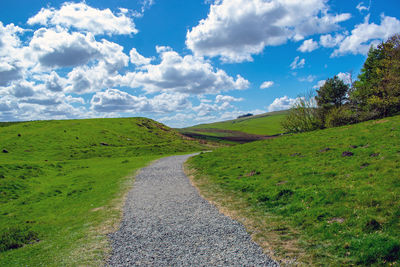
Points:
(361, 6)
(319, 84)
(237, 29)
(137, 59)
(11, 58)
(330, 41)
(57, 49)
(23, 89)
(309, 78)
(366, 34)
(282, 103)
(83, 17)
(113, 100)
(345, 77)
(188, 74)
(308, 46)
(297, 63)
(266, 84)
(227, 98)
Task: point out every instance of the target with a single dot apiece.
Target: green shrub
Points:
(339, 116)
(302, 117)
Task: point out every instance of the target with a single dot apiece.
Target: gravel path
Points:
(167, 223)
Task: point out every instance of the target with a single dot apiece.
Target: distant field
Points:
(329, 197)
(61, 183)
(263, 125)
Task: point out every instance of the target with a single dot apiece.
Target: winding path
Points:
(167, 223)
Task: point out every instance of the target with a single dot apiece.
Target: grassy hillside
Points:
(243, 129)
(61, 183)
(329, 197)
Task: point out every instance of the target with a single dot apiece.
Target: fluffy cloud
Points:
(267, 84)
(188, 74)
(236, 29)
(366, 34)
(282, 103)
(57, 49)
(308, 46)
(227, 98)
(297, 63)
(11, 58)
(137, 59)
(331, 41)
(113, 100)
(83, 17)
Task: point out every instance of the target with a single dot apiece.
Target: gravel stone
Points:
(167, 223)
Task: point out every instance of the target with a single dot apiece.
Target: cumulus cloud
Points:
(137, 59)
(282, 103)
(297, 63)
(237, 29)
(188, 74)
(331, 41)
(113, 100)
(308, 46)
(267, 84)
(11, 57)
(227, 98)
(366, 34)
(62, 49)
(83, 17)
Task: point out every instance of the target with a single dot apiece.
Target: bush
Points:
(302, 117)
(339, 116)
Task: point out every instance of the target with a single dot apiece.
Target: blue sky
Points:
(179, 62)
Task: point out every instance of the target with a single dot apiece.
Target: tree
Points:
(332, 94)
(378, 87)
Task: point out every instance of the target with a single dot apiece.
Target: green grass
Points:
(264, 124)
(61, 184)
(341, 210)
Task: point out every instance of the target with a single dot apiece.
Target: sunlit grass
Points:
(342, 210)
(62, 183)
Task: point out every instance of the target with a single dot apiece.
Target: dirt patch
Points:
(227, 135)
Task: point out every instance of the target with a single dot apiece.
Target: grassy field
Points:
(329, 197)
(230, 131)
(263, 124)
(62, 184)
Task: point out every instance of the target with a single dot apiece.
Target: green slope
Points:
(62, 181)
(341, 210)
(243, 129)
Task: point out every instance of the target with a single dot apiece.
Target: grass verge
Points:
(62, 185)
(333, 194)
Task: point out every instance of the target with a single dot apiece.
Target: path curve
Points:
(167, 223)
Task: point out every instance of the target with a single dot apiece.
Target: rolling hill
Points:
(328, 197)
(61, 183)
(240, 130)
